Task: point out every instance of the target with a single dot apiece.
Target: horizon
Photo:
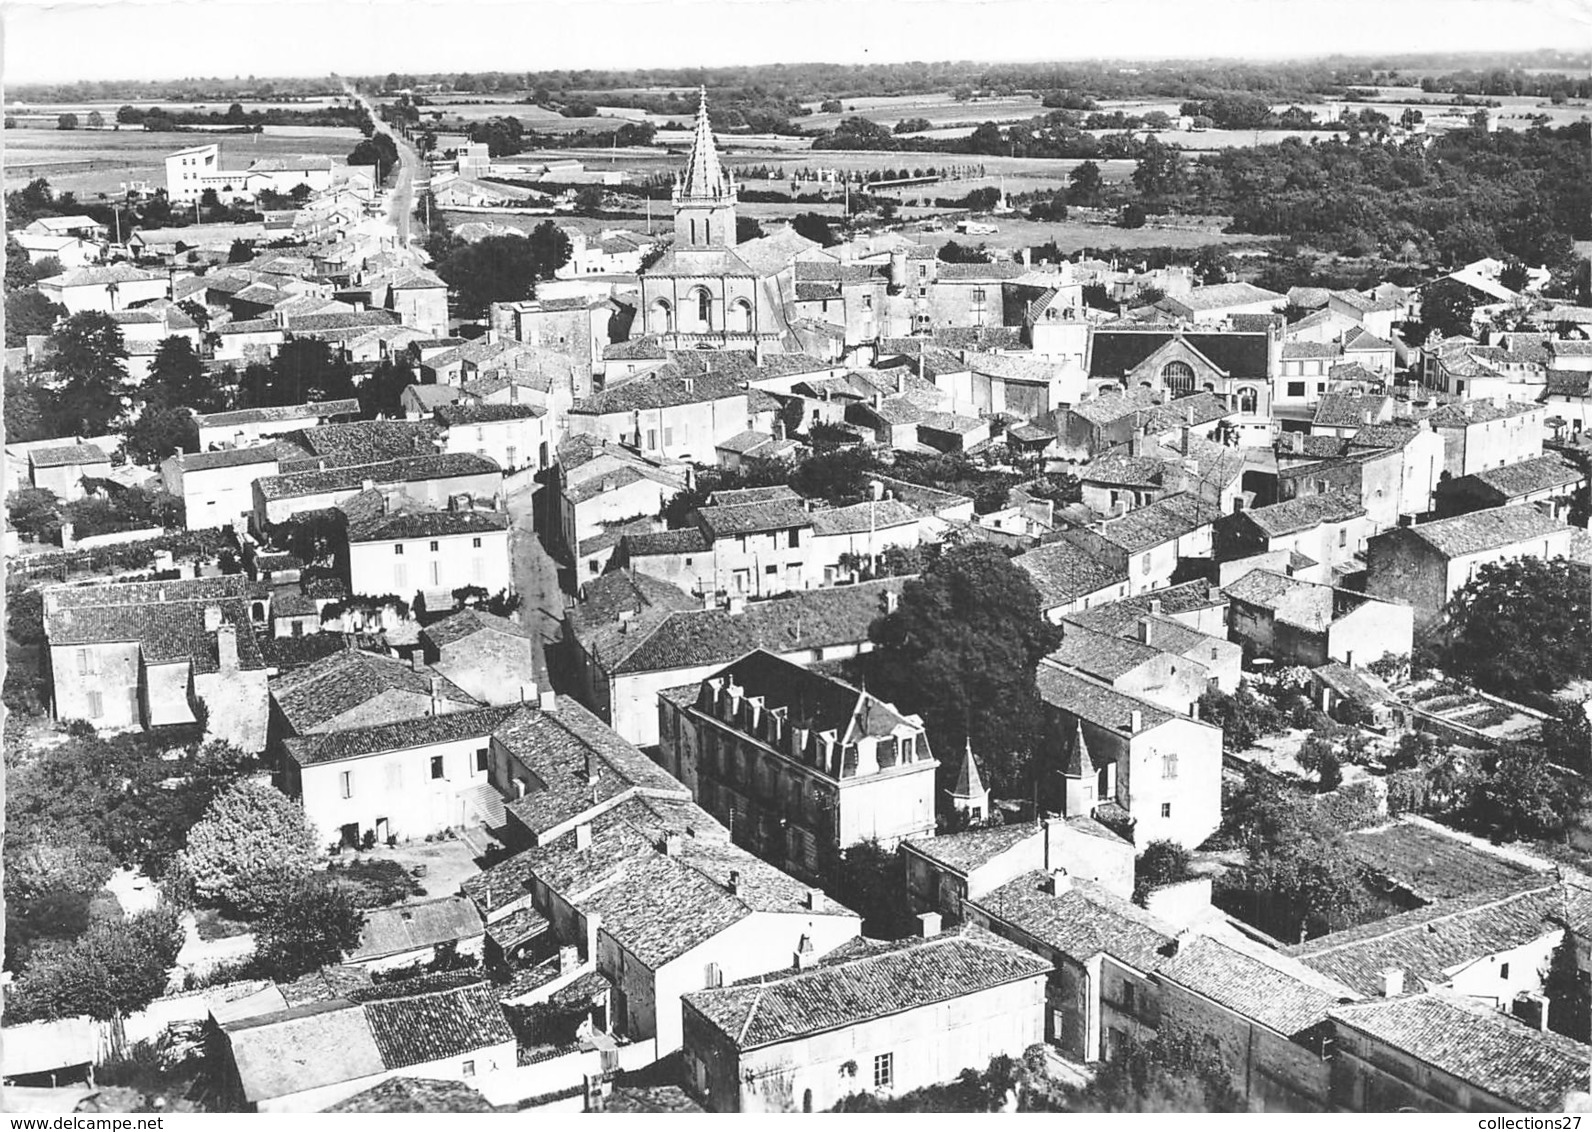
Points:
(79, 40)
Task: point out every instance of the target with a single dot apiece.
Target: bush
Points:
(117, 967)
(375, 884)
(314, 926)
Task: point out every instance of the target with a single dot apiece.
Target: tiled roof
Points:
(1429, 943)
(406, 524)
(1491, 529)
(102, 276)
(1104, 656)
(468, 622)
(865, 981)
(444, 465)
(411, 927)
(1540, 473)
(1118, 467)
(167, 630)
(1529, 1068)
(1062, 573)
(1394, 434)
(1463, 414)
(814, 701)
(1158, 522)
(1569, 382)
(314, 410)
(648, 544)
(415, 1094)
(1098, 703)
(973, 848)
(1435, 864)
(648, 348)
(1110, 407)
(1221, 295)
(191, 462)
(319, 692)
(323, 323)
(1123, 615)
(752, 518)
(1270, 988)
(662, 388)
(454, 414)
(1082, 922)
(1346, 410)
(370, 441)
(430, 1027)
(1303, 512)
(859, 517)
(1295, 601)
(1294, 350)
(67, 455)
(334, 746)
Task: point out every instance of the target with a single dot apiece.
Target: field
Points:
(940, 109)
(92, 163)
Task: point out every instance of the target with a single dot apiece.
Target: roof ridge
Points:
(1416, 924)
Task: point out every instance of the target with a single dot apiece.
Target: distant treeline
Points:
(161, 119)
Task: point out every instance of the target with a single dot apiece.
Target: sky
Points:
(165, 39)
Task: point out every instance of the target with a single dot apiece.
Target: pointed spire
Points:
(704, 177)
(968, 782)
(1079, 764)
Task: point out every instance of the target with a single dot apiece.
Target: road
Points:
(536, 581)
(400, 206)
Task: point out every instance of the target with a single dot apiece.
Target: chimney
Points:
(568, 958)
(806, 954)
(547, 700)
(1182, 443)
(1028, 258)
(582, 840)
(1392, 982)
(737, 605)
(1135, 721)
(929, 925)
(1155, 607)
(436, 695)
(227, 647)
(1532, 1009)
(1145, 630)
(1136, 444)
(672, 844)
(212, 618)
(367, 485)
(875, 400)
(415, 662)
(1059, 882)
(596, 1092)
(814, 899)
(734, 884)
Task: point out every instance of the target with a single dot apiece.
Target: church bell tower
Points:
(704, 196)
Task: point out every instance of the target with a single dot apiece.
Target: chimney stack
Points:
(547, 700)
(734, 884)
(227, 647)
(929, 925)
(1135, 721)
(212, 618)
(436, 695)
(737, 604)
(815, 898)
(415, 663)
(806, 955)
(1532, 1009)
(583, 835)
(1145, 630)
(1059, 882)
(1392, 982)
(672, 844)
(1155, 607)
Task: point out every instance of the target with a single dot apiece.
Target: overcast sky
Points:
(108, 39)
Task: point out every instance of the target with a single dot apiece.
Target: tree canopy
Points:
(91, 367)
(1521, 629)
(962, 650)
(503, 268)
(250, 851)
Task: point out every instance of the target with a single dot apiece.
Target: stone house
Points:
(1479, 435)
(63, 468)
(1295, 621)
(217, 488)
(1549, 482)
(869, 1017)
(491, 658)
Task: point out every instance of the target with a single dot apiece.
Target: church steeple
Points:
(704, 194)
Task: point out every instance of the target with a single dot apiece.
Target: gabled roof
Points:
(862, 982)
(1082, 922)
(101, 277)
(313, 410)
(1304, 512)
(1105, 656)
(318, 693)
(751, 518)
(467, 623)
(972, 849)
(1220, 295)
(665, 387)
(1532, 1069)
(1273, 989)
(1096, 702)
(1062, 573)
(1159, 522)
(1490, 529)
(412, 927)
(66, 456)
(1525, 477)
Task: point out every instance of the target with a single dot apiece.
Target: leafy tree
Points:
(19, 270)
(953, 252)
(503, 268)
(312, 927)
(1163, 862)
(306, 369)
(1567, 739)
(91, 363)
(1174, 1072)
(117, 967)
(1523, 796)
(1131, 216)
(1521, 629)
(381, 393)
(28, 312)
(747, 228)
(1160, 170)
(962, 650)
(177, 379)
(1514, 276)
(377, 150)
(831, 106)
(29, 408)
(240, 252)
(1568, 991)
(1447, 306)
(589, 199)
(815, 226)
(35, 512)
(1052, 210)
(1243, 717)
(96, 120)
(251, 850)
(66, 122)
(160, 431)
(872, 879)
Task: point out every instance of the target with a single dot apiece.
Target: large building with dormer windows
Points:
(798, 765)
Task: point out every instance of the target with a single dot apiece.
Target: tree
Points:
(28, 313)
(1447, 306)
(381, 393)
(35, 512)
(589, 199)
(117, 967)
(240, 252)
(1521, 629)
(377, 150)
(313, 927)
(503, 268)
(815, 226)
(1176, 1071)
(251, 850)
(1084, 184)
(1131, 216)
(962, 650)
(1163, 862)
(91, 364)
(177, 379)
(870, 878)
(1514, 276)
(747, 228)
(831, 106)
(1522, 795)
(306, 369)
(1243, 717)
(1160, 170)
(66, 122)
(96, 120)
(161, 430)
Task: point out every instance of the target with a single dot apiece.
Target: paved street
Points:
(535, 577)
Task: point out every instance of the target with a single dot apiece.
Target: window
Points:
(397, 548)
(1178, 377)
(1129, 994)
(704, 307)
(771, 570)
(434, 546)
(1343, 536)
(867, 302)
(883, 1070)
(512, 454)
(923, 271)
(668, 437)
(1503, 970)
(1144, 564)
(83, 665)
(468, 1069)
(795, 538)
(978, 295)
(1213, 652)
(96, 705)
(1166, 809)
(1169, 766)
(1296, 389)
(346, 782)
(475, 543)
(652, 440)
(483, 759)
(436, 766)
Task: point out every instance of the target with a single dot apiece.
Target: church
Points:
(707, 291)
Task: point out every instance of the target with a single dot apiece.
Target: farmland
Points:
(94, 162)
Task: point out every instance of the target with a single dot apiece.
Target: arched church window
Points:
(741, 316)
(1178, 377)
(658, 317)
(704, 308)
(1248, 400)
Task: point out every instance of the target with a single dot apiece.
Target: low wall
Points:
(116, 538)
